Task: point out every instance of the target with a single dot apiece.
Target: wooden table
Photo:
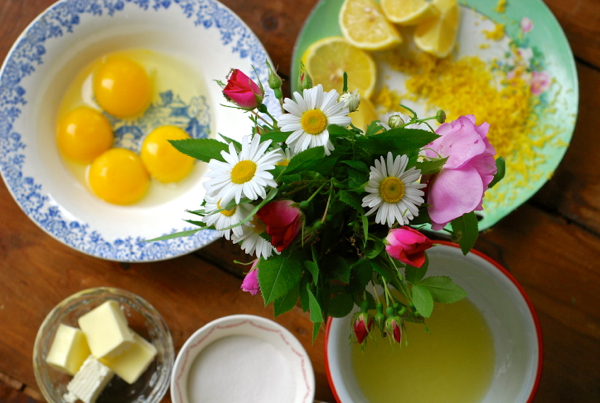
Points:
(551, 244)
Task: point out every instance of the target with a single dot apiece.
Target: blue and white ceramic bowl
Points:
(50, 52)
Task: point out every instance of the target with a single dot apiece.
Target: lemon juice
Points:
(452, 364)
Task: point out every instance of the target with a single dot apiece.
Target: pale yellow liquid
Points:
(453, 364)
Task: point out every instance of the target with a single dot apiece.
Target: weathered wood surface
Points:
(551, 244)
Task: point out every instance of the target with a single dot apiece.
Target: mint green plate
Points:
(550, 50)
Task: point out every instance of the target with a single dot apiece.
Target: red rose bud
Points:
(407, 245)
(250, 283)
(283, 222)
(242, 91)
(304, 79)
(394, 328)
(363, 323)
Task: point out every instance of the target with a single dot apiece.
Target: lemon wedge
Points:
(408, 12)
(364, 115)
(438, 35)
(327, 59)
(363, 25)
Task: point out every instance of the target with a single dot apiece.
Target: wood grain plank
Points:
(580, 19)
(574, 190)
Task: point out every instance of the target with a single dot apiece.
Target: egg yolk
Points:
(122, 87)
(118, 176)
(83, 134)
(162, 160)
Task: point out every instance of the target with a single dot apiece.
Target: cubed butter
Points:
(88, 383)
(69, 349)
(131, 364)
(106, 330)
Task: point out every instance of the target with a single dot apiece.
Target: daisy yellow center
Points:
(313, 121)
(283, 163)
(259, 226)
(243, 171)
(391, 189)
(226, 213)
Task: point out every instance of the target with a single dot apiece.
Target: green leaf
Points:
(374, 248)
(359, 165)
(415, 274)
(500, 171)
(279, 274)
(422, 218)
(175, 235)
(276, 136)
(304, 160)
(389, 274)
(341, 305)
(443, 289)
(357, 177)
(362, 273)
(201, 149)
(400, 140)
(353, 200)
(465, 231)
(313, 268)
(316, 328)
(304, 281)
(339, 268)
(324, 166)
(431, 166)
(228, 140)
(421, 297)
(286, 303)
(316, 315)
(373, 128)
(337, 131)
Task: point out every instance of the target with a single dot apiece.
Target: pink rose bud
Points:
(394, 328)
(460, 185)
(526, 25)
(242, 91)
(363, 323)
(283, 221)
(407, 245)
(540, 82)
(250, 283)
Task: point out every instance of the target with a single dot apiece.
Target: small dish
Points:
(56, 46)
(220, 340)
(507, 310)
(142, 317)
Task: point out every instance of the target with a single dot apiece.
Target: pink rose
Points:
(242, 91)
(282, 220)
(540, 82)
(250, 283)
(407, 245)
(362, 326)
(459, 187)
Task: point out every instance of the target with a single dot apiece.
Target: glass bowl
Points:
(142, 317)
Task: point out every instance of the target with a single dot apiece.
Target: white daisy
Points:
(244, 174)
(285, 156)
(225, 218)
(393, 192)
(384, 121)
(251, 240)
(308, 118)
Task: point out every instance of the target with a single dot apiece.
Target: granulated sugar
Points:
(240, 369)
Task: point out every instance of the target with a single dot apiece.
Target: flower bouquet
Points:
(333, 213)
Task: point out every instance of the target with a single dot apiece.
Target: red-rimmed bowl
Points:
(503, 303)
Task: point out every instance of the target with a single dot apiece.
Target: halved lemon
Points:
(438, 35)
(364, 115)
(327, 59)
(408, 12)
(363, 25)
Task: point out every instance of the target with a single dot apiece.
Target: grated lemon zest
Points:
(501, 6)
(496, 34)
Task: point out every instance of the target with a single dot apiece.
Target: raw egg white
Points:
(127, 89)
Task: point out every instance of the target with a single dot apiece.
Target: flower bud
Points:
(440, 116)
(250, 283)
(351, 100)
(380, 318)
(274, 80)
(242, 91)
(304, 80)
(395, 121)
(394, 328)
(362, 324)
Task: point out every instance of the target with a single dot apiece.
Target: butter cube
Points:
(88, 383)
(106, 329)
(69, 349)
(131, 364)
